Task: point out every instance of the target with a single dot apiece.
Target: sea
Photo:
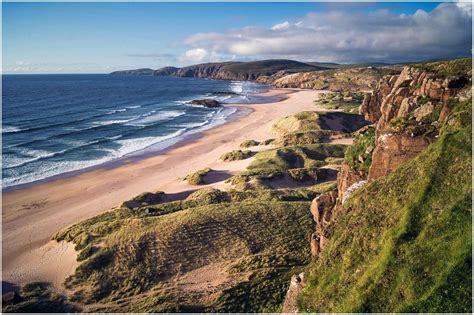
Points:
(56, 124)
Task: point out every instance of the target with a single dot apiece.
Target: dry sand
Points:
(32, 215)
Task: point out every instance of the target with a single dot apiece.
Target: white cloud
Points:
(281, 26)
(21, 66)
(345, 36)
(194, 55)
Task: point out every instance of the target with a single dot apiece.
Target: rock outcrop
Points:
(407, 111)
(394, 149)
(353, 79)
(290, 305)
(206, 103)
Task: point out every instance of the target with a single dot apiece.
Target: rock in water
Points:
(206, 103)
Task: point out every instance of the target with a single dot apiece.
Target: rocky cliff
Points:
(422, 107)
(351, 79)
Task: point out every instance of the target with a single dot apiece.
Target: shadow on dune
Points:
(9, 287)
(216, 176)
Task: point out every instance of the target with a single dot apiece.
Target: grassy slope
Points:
(139, 258)
(404, 242)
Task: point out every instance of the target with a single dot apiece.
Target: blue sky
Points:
(102, 37)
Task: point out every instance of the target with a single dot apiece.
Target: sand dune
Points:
(32, 215)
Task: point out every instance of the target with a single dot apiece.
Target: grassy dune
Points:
(141, 263)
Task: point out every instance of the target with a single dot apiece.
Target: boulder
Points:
(321, 208)
(314, 244)
(353, 188)
(392, 150)
(206, 103)
(346, 177)
(223, 93)
(406, 107)
(423, 111)
(290, 304)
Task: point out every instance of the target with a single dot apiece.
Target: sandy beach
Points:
(32, 215)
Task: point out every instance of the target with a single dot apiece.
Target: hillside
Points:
(230, 70)
(395, 236)
(338, 80)
(403, 242)
(142, 71)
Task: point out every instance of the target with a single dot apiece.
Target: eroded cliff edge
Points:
(396, 234)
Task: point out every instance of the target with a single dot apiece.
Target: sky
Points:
(103, 37)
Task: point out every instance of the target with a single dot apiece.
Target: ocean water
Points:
(54, 124)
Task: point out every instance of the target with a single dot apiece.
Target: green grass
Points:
(249, 143)
(300, 163)
(445, 68)
(403, 242)
(359, 155)
(302, 156)
(348, 102)
(197, 178)
(345, 106)
(307, 137)
(236, 155)
(145, 199)
(299, 122)
(38, 297)
(142, 258)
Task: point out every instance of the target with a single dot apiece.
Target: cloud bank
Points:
(343, 36)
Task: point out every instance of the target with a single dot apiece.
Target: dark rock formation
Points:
(223, 93)
(206, 103)
(406, 109)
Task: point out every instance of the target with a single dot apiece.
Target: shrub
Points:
(359, 155)
(197, 178)
(236, 155)
(249, 143)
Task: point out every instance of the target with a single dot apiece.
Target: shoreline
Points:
(135, 156)
(157, 148)
(33, 214)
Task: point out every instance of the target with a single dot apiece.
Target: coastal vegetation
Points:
(411, 236)
(197, 178)
(152, 258)
(376, 226)
(236, 155)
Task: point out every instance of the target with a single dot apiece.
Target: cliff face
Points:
(410, 112)
(407, 111)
